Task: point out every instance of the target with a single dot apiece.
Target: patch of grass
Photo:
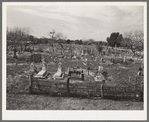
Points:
(42, 102)
(20, 59)
(45, 102)
(13, 70)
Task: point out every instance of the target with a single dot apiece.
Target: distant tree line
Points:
(133, 40)
(45, 40)
(20, 37)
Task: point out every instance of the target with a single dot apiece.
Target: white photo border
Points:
(68, 114)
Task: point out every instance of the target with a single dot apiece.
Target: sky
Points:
(76, 22)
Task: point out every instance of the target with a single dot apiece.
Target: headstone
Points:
(82, 52)
(60, 67)
(32, 68)
(59, 74)
(100, 68)
(43, 72)
(44, 65)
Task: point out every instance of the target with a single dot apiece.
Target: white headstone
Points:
(44, 66)
(59, 67)
(43, 72)
(32, 67)
(100, 68)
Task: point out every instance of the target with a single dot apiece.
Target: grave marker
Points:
(43, 72)
(59, 74)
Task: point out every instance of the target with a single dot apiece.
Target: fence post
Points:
(142, 91)
(102, 91)
(30, 83)
(137, 92)
(68, 92)
(82, 75)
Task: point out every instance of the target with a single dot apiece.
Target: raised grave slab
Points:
(41, 74)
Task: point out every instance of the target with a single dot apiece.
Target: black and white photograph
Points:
(74, 60)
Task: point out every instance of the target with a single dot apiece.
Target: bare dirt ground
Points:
(27, 101)
(45, 102)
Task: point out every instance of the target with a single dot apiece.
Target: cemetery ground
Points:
(20, 99)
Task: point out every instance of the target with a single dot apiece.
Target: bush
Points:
(99, 48)
(36, 58)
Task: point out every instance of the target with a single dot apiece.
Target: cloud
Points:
(77, 21)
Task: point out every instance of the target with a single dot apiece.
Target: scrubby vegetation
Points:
(119, 58)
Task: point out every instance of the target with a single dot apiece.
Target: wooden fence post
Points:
(137, 92)
(30, 83)
(68, 92)
(142, 91)
(82, 75)
(102, 91)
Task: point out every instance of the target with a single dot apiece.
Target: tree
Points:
(90, 42)
(16, 38)
(134, 40)
(60, 36)
(31, 38)
(118, 40)
(126, 42)
(114, 39)
(81, 42)
(99, 48)
(78, 41)
(103, 43)
(68, 41)
(57, 37)
(108, 40)
(51, 34)
(45, 40)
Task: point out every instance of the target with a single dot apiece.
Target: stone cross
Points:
(44, 65)
(60, 66)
